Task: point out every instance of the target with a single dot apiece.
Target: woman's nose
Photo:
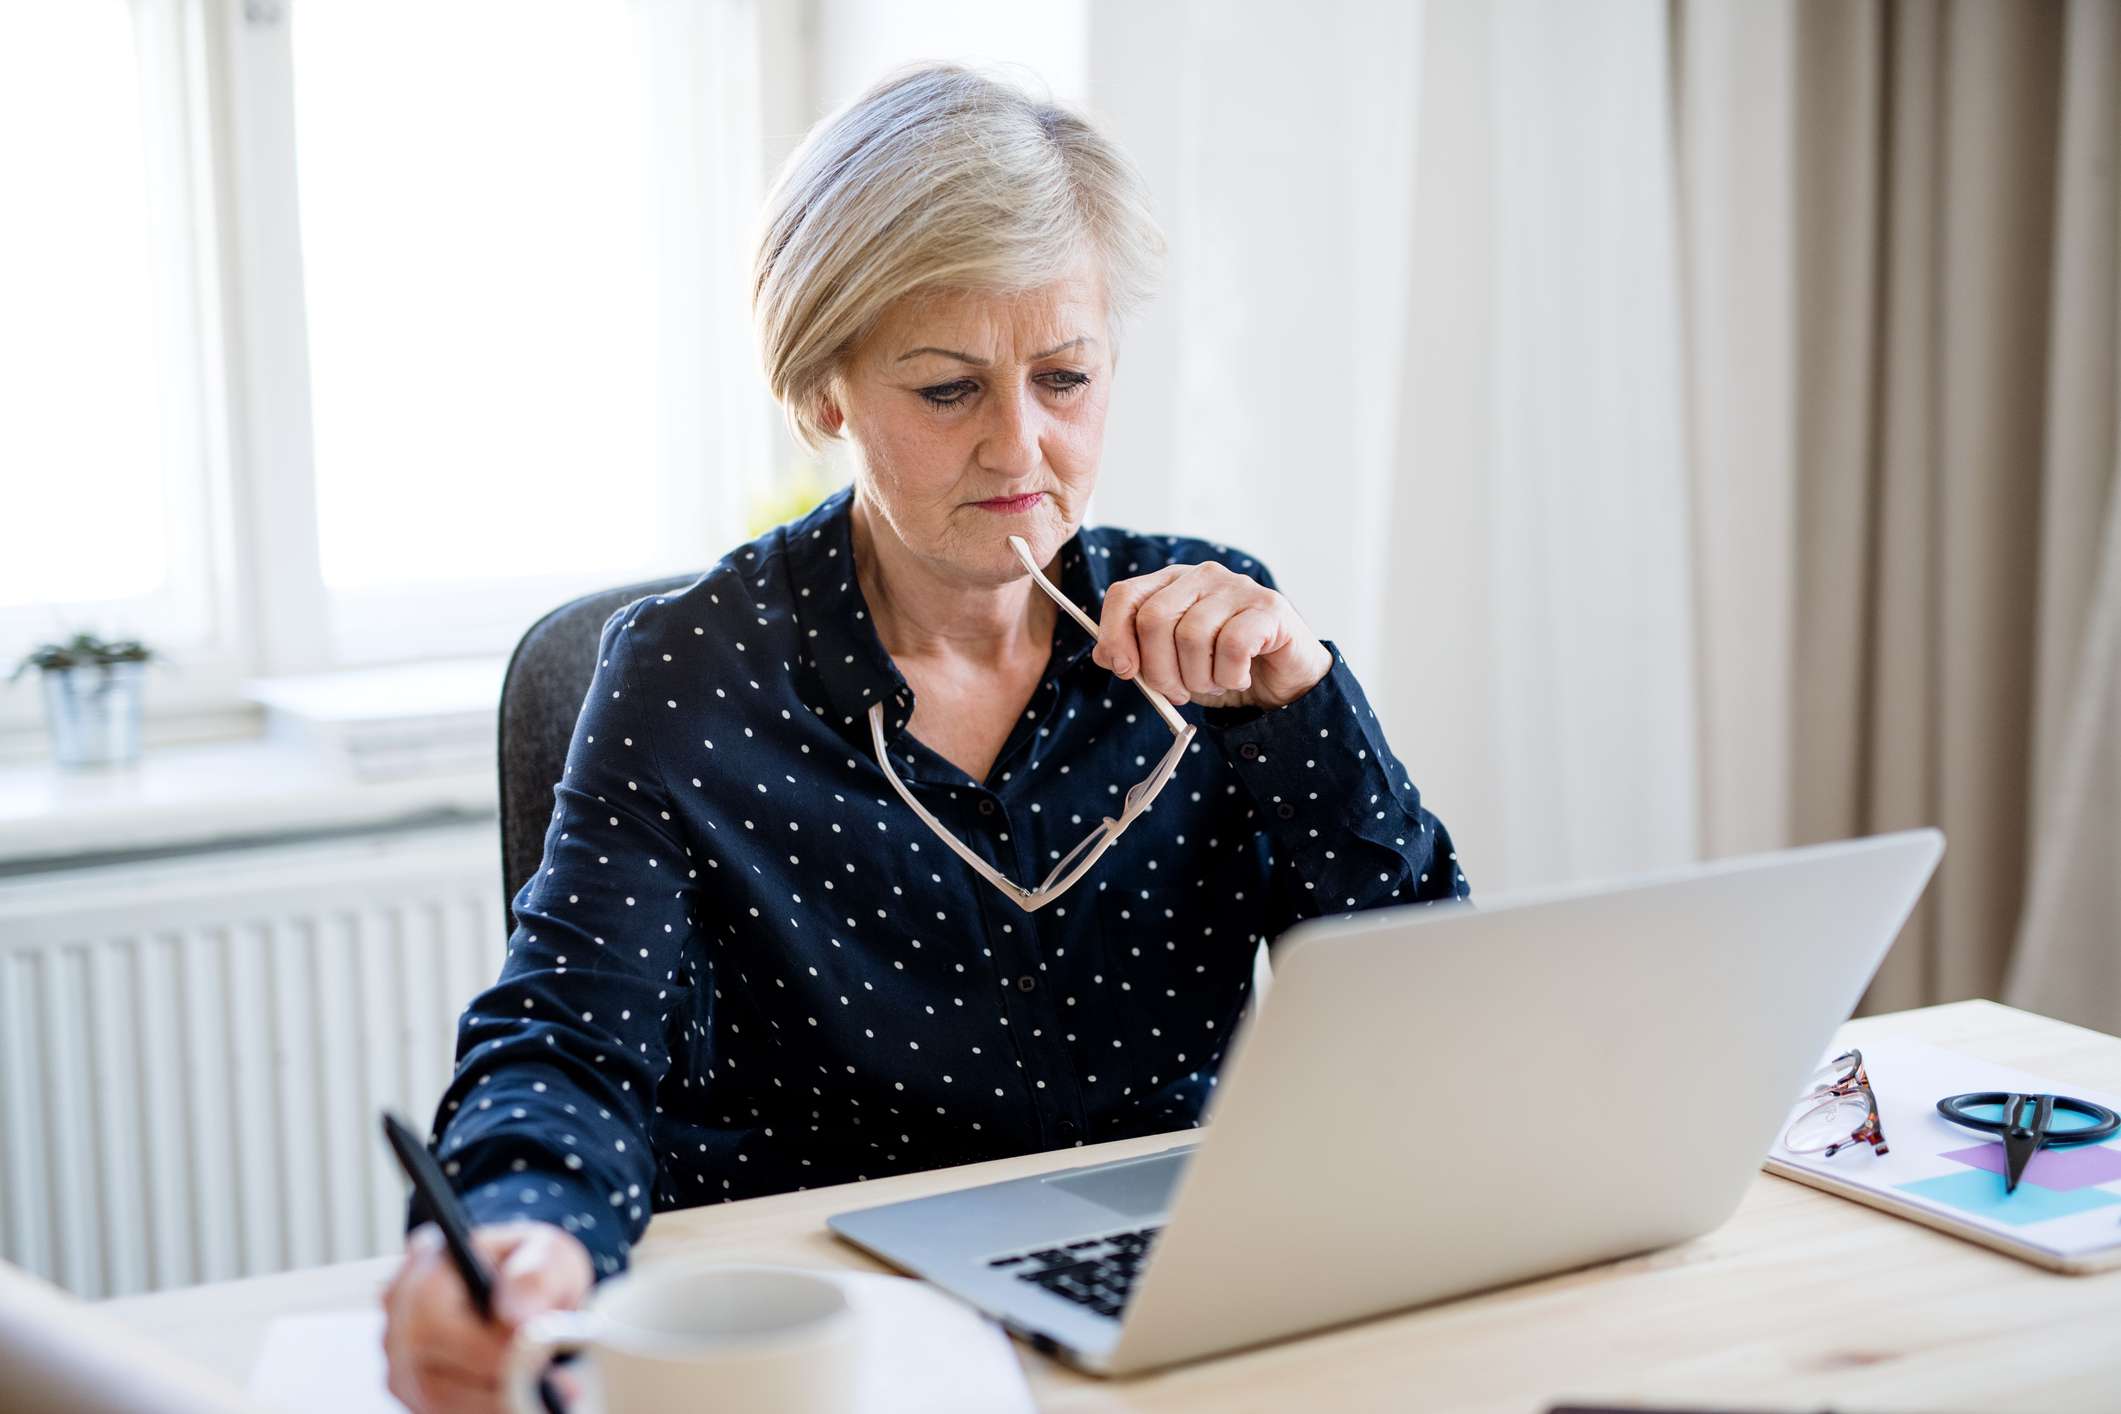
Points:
(1010, 445)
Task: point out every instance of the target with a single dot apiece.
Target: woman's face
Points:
(974, 417)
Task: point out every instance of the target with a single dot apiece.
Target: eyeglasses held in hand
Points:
(1840, 1110)
(1078, 860)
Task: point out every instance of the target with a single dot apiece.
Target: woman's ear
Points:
(828, 413)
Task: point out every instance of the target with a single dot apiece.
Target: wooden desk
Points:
(1800, 1301)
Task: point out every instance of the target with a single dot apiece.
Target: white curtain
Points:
(1419, 349)
(703, 67)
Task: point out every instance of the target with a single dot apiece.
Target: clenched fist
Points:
(1205, 633)
(446, 1359)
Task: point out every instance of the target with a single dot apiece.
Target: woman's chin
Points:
(984, 549)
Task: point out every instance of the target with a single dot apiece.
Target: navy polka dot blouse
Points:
(744, 966)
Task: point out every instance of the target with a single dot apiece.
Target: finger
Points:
(1196, 634)
(449, 1389)
(397, 1359)
(496, 1242)
(545, 1271)
(405, 1389)
(400, 1299)
(1244, 636)
(441, 1323)
(1155, 633)
(421, 1245)
(1117, 648)
(429, 1380)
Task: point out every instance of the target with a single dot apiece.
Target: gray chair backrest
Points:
(541, 696)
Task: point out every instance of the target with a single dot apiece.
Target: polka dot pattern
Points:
(744, 967)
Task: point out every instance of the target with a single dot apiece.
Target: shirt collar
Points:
(842, 646)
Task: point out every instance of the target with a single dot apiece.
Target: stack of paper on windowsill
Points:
(386, 723)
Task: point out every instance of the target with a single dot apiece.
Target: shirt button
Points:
(986, 807)
(1026, 982)
(1250, 751)
(1285, 810)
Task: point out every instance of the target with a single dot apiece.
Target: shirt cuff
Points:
(567, 1203)
(1336, 802)
(1287, 746)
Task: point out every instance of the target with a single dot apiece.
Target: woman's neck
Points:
(929, 617)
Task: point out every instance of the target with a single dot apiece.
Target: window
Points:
(102, 437)
(338, 332)
(76, 261)
(479, 288)
(520, 387)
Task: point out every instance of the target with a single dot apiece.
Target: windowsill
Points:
(194, 796)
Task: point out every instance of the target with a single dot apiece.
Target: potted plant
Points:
(92, 690)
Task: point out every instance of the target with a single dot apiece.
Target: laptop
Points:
(1438, 1100)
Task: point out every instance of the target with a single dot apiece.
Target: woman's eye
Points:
(948, 395)
(1067, 382)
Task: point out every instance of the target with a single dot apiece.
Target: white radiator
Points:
(193, 1052)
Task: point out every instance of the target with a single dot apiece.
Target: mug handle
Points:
(537, 1341)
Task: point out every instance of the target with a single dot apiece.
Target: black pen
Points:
(433, 1193)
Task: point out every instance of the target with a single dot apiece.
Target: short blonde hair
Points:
(936, 178)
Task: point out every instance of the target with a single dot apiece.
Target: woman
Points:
(752, 959)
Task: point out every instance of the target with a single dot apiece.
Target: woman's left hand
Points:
(1205, 633)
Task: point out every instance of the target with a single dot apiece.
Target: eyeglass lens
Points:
(1835, 1074)
(1845, 1112)
(1825, 1125)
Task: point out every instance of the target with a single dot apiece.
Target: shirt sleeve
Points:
(1346, 826)
(548, 1116)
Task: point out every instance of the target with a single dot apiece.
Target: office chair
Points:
(541, 696)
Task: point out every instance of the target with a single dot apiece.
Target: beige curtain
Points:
(2068, 959)
(1899, 225)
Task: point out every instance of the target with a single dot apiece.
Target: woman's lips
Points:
(1010, 505)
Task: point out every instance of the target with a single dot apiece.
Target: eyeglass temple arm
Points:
(1009, 886)
(1157, 700)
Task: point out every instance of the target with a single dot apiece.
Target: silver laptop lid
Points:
(1439, 1100)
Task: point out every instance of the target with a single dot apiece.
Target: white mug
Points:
(690, 1335)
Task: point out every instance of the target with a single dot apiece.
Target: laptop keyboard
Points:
(1097, 1272)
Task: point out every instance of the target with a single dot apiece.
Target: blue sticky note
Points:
(1981, 1193)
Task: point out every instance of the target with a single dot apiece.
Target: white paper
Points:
(922, 1353)
(331, 1362)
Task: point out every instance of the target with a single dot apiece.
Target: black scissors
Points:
(2025, 1124)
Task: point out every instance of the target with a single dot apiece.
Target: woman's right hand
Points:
(445, 1359)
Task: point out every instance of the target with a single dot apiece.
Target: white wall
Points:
(1418, 348)
(859, 41)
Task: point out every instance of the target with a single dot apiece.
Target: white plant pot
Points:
(94, 713)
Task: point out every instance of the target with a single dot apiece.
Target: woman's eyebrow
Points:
(946, 353)
(1076, 342)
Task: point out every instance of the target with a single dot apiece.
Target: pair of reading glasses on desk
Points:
(1841, 1111)
(1078, 860)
